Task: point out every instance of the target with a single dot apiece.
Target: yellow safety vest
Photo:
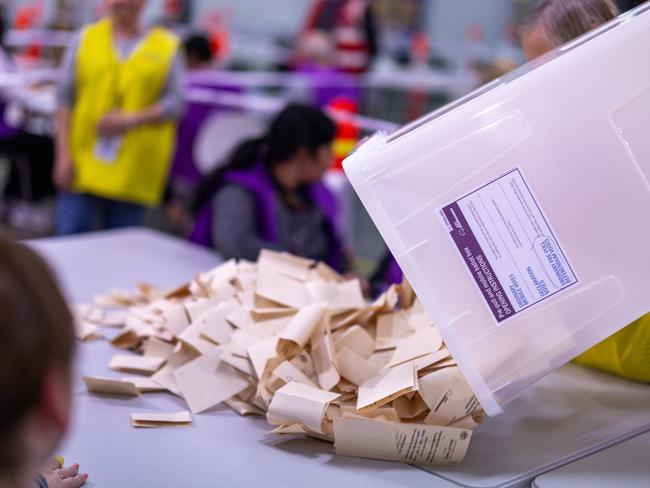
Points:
(626, 353)
(104, 83)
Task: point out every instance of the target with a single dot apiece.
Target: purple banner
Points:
(478, 264)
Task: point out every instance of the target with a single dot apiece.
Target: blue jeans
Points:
(80, 212)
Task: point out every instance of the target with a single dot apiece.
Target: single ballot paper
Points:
(422, 342)
(260, 353)
(299, 330)
(108, 386)
(325, 362)
(448, 395)
(387, 386)
(212, 325)
(338, 296)
(144, 384)
(285, 264)
(136, 364)
(408, 443)
(176, 319)
(178, 419)
(356, 339)
(355, 368)
(156, 348)
(296, 403)
(85, 331)
(207, 381)
(391, 329)
(165, 376)
(281, 289)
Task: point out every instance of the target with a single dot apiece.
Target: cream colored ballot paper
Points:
(387, 386)
(296, 403)
(109, 386)
(299, 330)
(448, 395)
(408, 443)
(294, 341)
(144, 384)
(422, 342)
(179, 419)
(206, 382)
(136, 364)
(85, 331)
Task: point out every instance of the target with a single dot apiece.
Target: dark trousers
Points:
(80, 212)
(32, 160)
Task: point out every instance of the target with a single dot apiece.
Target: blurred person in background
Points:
(549, 25)
(119, 98)
(28, 190)
(36, 332)
(269, 195)
(184, 175)
(198, 54)
(349, 26)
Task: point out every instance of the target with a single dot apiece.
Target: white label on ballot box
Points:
(508, 246)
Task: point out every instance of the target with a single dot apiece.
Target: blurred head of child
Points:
(36, 350)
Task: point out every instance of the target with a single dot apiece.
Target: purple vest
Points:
(394, 274)
(258, 181)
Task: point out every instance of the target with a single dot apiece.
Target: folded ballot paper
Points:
(295, 341)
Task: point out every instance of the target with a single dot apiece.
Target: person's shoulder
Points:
(101, 24)
(97, 29)
(234, 190)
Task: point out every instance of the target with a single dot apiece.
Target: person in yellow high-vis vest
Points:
(550, 24)
(119, 97)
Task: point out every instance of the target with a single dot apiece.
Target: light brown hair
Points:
(562, 21)
(36, 338)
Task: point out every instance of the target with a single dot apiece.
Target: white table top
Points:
(220, 448)
(626, 464)
(571, 413)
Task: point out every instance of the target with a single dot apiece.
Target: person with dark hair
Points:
(29, 184)
(550, 24)
(198, 54)
(36, 333)
(270, 196)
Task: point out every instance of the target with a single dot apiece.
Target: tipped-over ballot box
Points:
(521, 213)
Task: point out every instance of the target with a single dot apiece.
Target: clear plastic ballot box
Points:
(521, 213)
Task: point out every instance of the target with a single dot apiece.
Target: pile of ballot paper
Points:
(295, 341)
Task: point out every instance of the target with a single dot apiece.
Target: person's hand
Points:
(58, 476)
(63, 174)
(115, 123)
